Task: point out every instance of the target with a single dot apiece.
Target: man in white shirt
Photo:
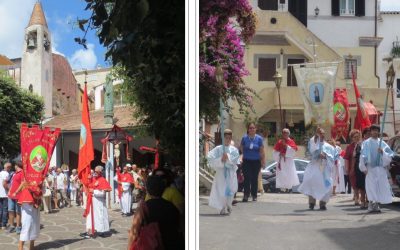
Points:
(61, 182)
(3, 195)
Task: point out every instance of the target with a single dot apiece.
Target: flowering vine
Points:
(225, 28)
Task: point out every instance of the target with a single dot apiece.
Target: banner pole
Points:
(91, 212)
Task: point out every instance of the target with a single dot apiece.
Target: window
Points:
(348, 63)
(266, 69)
(398, 88)
(119, 95)
(347, 8)
(268, 4)
(291, 78)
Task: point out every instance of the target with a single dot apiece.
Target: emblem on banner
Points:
(82, 140)
(339, 111)
(38, 158)
(316, 93)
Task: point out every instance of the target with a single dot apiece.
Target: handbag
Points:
(47, 193)
(149, 236)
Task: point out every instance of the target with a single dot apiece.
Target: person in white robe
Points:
(126, 181)
(223, 160)
(284, 153)
(317, 180)
(98, 188)
(30, 220)
(338, 171)
(374, 161)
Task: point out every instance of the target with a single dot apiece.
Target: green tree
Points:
(16, 106)
(147, 39)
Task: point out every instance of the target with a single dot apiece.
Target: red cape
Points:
(126, 177)
(123, 177)
(96, 183)
(282, 149)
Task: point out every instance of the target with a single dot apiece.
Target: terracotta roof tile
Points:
(5, 61)
(72, 122)
(37, 16)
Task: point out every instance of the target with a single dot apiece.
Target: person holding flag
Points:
(97, 189)
(223, 159)
(37, 145)
(283, 153)
(375, 157)
(86, 156)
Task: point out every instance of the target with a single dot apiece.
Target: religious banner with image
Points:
(341, 115)
(37, 147)
(316, 84)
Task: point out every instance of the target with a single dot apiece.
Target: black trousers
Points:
(347, 183)
(251, 169)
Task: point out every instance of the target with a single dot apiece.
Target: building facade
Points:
(300, 31)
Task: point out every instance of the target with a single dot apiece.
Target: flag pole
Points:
(91, 212)
(389, 83)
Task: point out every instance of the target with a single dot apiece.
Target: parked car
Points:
(269, 175)
(394, 169)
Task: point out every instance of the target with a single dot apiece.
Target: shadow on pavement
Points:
(57, 244)
(212, 215)
(384, 235)
(347, 205)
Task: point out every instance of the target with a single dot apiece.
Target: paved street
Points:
(283, 221)
(61, 231)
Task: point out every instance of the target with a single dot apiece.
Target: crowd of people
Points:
(362, 167)
(62, 188)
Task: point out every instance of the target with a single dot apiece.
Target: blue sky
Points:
(60, 16)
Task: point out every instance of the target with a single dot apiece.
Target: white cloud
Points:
(390, 5)
(14, 17)
(84, 59)
(55, 39)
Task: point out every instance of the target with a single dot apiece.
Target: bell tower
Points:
(37, 60)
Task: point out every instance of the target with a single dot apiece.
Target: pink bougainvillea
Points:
(225, 27)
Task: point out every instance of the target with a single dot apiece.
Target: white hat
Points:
(128, 165)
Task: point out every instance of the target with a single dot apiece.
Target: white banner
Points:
(316, 83)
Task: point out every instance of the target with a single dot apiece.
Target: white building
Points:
(388, 29)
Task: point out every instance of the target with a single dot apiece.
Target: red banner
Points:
(341, 115)
(362, 119)
(86, 153)
(37, 147)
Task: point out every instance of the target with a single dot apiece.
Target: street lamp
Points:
(390, 74)
(316, 10)
(278, 80)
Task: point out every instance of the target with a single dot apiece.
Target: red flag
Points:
(86, 154)
(341, 114)
(362, 120)
(37, 147)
